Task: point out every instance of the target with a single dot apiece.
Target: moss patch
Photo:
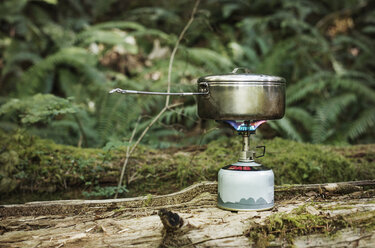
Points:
(286, 226)
(295, 162)
(362, 157)
(45, 167)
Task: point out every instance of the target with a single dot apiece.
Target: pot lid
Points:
(241, 77)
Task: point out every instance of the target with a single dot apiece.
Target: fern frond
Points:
(355, 86)
(331, 108)
(186, 113)
(342, 40)
(211, 60)
(327, 113)
(359, 75)
(113, 115)
(169, 38)
(35, 78)
(38, 108)
(306, 86)
(362, 124)
(17, 58)
(61, 36)
(298, 114)
(286, 128)
(117, 25)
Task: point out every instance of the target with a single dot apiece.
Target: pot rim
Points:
(244, 77)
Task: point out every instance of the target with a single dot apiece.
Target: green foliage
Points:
(38, 108)
(82, 49)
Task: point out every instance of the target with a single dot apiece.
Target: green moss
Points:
(42, 166)
(8, 161)
(148, 200)
(295, 162)
(362, 157)
(287, 226)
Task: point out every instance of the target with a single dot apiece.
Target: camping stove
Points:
(246, 185)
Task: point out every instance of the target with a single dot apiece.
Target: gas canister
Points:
(245, 186)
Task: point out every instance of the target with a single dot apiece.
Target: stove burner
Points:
(245, 125)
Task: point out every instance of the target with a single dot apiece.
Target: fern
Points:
(328, 113)
(37, 108)
(17, 58)
(170, 39)
(80, 59)
(60, 36)
(113, 117)
(211, 60)
(366, 78)
(356, 87)
(328, 64)
(362, 124)
(345, 41)
(308, 85)
(285, 127)
(302, 116)
(117, 25)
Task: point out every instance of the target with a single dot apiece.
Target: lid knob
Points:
(246, 70)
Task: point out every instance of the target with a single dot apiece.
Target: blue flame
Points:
(242, 126)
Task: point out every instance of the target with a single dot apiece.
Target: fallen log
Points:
(342, 214)
(180, 198)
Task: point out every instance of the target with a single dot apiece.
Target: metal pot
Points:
(235, 96)
(242, 97)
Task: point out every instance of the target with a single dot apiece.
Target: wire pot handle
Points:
(203, 88)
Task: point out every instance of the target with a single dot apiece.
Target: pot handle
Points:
(246, 70)
(203, 87)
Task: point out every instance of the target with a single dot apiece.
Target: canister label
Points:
(245, 168)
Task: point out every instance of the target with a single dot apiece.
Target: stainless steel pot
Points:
(242, 97)
(235, 96)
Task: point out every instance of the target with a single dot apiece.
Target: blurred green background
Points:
(59, 59)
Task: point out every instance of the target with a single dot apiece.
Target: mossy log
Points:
(30, 166)
(324, 215)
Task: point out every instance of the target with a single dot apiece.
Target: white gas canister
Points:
(245, 186)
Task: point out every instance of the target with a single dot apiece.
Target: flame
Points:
(241, 126)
